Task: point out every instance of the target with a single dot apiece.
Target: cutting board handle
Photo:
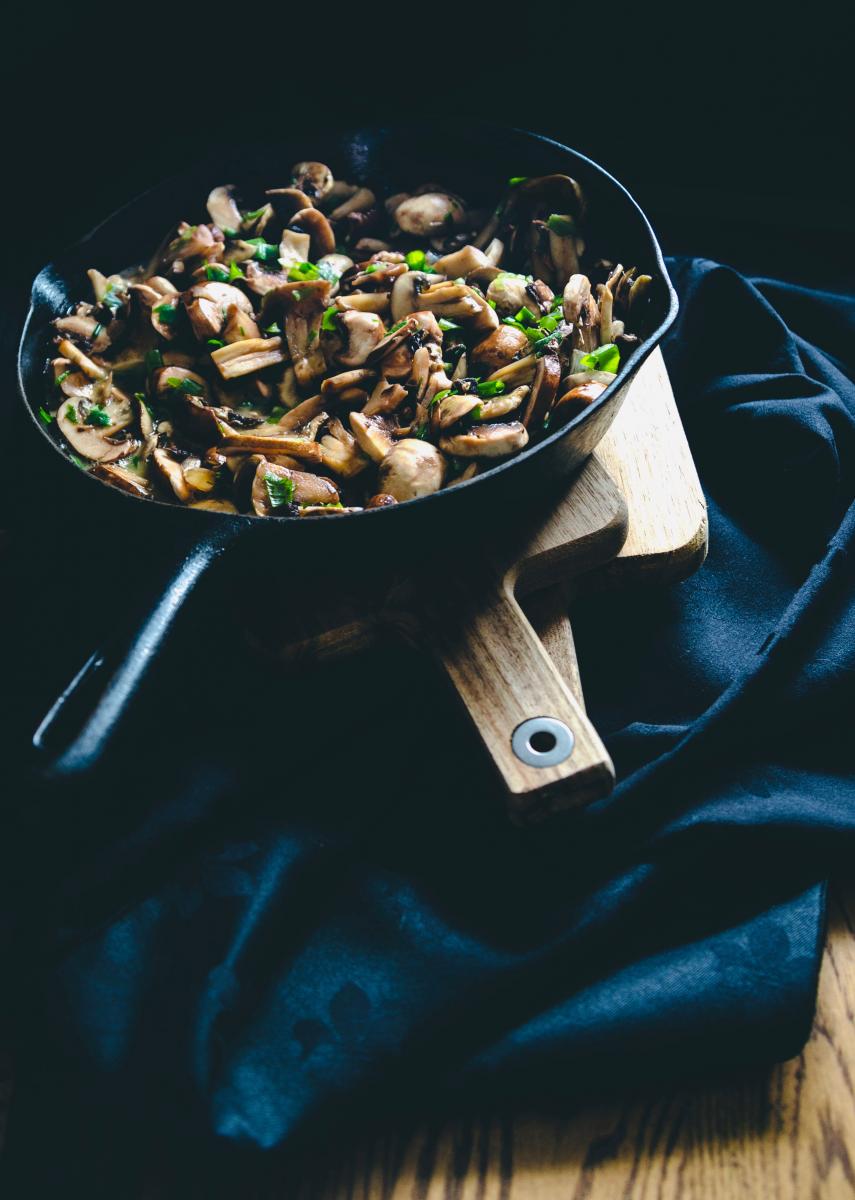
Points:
(545, 749)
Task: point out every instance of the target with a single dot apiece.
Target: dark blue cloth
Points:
(291, 903)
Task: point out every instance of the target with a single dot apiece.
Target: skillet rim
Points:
(628, 370)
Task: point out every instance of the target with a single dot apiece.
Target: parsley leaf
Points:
(280, 490)
(98, 416)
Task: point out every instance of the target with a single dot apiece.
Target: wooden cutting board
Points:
(635, 511)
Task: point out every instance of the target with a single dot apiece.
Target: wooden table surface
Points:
(787, 1133)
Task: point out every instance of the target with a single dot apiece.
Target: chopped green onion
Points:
(492, 303)
(303, 271)
(45, 416)
(491, 387)
(517, 179)
(217, 273)
(526, 316)
(313, 333)
(96, 332)
(475, 415)
(274, 328)
(60, 379)
(253, 216)
(280, 490)
(216, 343)
(276, 412)
(398, 325)
(415, 260)
(543, 344)
(71, 414)
(446, 325)
(230, 233)
(604, 358)
(166, 312)
(561, 224)
(420, 432)
(550, 322)
(328, 323)
(235, 272)
(298, 295)
(371, 268)
(265, 252)
(98, 416)
(79, 462)
(190, 386)
(153, 360)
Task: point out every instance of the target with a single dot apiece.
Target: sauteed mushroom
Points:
(333, 349)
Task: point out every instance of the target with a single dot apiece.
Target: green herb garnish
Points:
(153, 360)
(301, 272)
(604, 358)
(517, 179)
(280, 490)
(45, 416)
(71, 414)
(526, 317)
(217, 273)
(276, 412)
(96, 333)
(415, 260)
(235, 272)
(60, 379)
(561, 224)
(217, 343)
(274, 328)
(490, 387)
(329, 318)
(253, 216)
(371, 268)
(543, 344)
(445, 325)
(265, 252)
(439, 397)
(190, 386)
(98, 416)
(166, 312)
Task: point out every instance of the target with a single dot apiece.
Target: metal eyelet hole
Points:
(542, 742)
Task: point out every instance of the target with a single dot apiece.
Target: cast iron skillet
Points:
(474, 160)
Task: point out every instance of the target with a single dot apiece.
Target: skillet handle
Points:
(76, 731)
(534, 728)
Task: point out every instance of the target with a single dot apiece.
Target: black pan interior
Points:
(475, 161)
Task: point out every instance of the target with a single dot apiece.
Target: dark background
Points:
(733, 134)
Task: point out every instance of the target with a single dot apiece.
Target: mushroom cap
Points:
(313, 178)
(429, 214)
(497, 349)
(412, 468)
(362, 332)
(222, 208)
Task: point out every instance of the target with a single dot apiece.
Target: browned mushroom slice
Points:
(412, 468)
(360, 333)
(301, 414)
(93, 369)
(459, 302)
(461, 262)
(340, 452)
(487, 441)
(605, 299)
(381, 500)
(543, 390)
(345, 385)
(169, 381)
(555, 249)
(454, 407)
(238, 327)
(496, 350)
(406, 292)
(215, 505)
(244, 357)
(87, 329)
(313, 222)
(429, 214)
(275, 489)
(586, 329)
(223, 210)
(95, 427)
(361, 200)
(373, 435)
(577, 292)
(170, 474)
(374, 302)
(575, 401)
(252, 442)
(385, 398)
(385, 351)
(259, 281)
(122, 478)
(313, 178)
(192, 241)
(500, 406)
(304, 305)
(201, 479)
(207, 306)
(521, 370)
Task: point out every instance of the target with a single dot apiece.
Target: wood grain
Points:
(783, 1134)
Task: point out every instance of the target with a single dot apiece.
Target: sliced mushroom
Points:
(304, 305)
(407, 290)
(521, 370)
(87, 328)
(223, 210)
(251, 354)
(304, 489)
(375, 302)
(362, 199)
(461, 262)
(215, 505)
(260, 282)
(496, 350)
(207, 306)
(372, 434)
(487, 441)
(122, 478)
(577, 292)
(238, 327)
(499, 406)
(94, 370)
(453, 408)
(313, 222)
(412, 468)
(346, 383)
(313, 178)
(575, 401)
(508, 292)
(171, 381)
(253, 442)
(543, 390)
(459, 302)
(381, 500)
(386, 397)
(294, 247)
(340, 452)
(171, 474)
(361, 333)
(429, 214)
